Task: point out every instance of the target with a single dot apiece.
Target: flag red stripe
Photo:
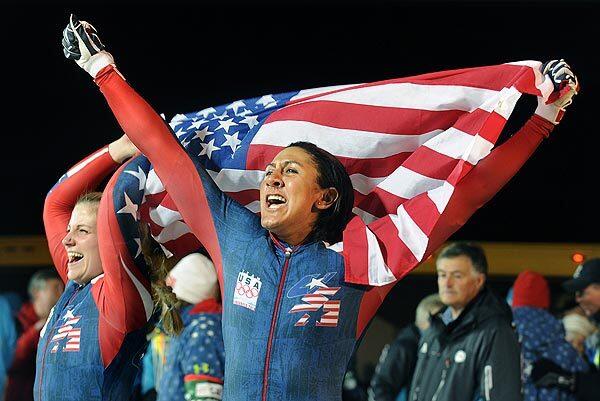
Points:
(387, 120)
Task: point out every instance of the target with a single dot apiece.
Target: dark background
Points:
(184, 57)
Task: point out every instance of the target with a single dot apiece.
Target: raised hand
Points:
(566, 86)
(81, 43)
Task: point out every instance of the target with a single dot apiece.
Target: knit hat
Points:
(578, 324)
(531, 289)
(193, 279)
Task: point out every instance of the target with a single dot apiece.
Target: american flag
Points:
(68, 331)
(314, 301)
(405, 143)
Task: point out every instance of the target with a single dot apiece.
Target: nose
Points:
(274, 180)
(68, 240)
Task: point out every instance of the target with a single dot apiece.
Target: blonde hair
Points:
(159, 267)
(90, 198)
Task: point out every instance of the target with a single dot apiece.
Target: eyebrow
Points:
(79, 225)
(286, 162)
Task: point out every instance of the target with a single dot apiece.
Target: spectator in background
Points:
(577, 329)
(585, 385)
(396, 366)
(470, 352)
(195, 362)
(541, 336)
(9, 305)
(45, 288)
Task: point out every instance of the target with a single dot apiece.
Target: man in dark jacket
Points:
(585, 385)
(470, 351)
(396, 366)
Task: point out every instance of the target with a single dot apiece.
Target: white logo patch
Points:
(460, 356)
(247, 290)
(424, 348)
(578, 271)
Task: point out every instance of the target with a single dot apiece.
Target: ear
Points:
(480, 280)
(327, 198)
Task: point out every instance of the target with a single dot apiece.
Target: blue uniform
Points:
(196, 358)
(70, 344)
(91, 345)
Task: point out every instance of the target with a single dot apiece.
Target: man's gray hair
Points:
(430, 305)
(38, 280)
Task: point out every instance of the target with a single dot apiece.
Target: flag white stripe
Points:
(407, 184)
(87, 161)
(172, 231)
(440, 196)
(153, 184)
(414, 96)
(410, 233)
(232, 180)
(457, 144)
(144, 294)
(164, 216)
(365, 216)
(338, 141)
(379, 273)
(364, 184)
(254, 206)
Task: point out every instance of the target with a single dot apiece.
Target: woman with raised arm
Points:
(294, 307)
(90, 347)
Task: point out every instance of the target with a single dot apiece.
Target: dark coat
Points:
(476, 356)
(396, 365)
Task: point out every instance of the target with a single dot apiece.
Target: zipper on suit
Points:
(265, 387)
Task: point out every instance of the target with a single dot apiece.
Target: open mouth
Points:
(275, 201)
(74, 257)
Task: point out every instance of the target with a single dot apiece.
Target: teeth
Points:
(275, 197)
(74, 255)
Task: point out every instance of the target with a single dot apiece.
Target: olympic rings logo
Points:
(246, 290)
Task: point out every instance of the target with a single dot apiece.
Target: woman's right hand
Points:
(122, 149)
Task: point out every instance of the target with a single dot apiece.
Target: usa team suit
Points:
(91, 344)
(292, 316)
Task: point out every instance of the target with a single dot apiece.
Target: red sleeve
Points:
(180, 176)
(81, 178)
(471, 193)
(25, 350)
(488, 177)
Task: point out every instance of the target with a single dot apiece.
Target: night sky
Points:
(183, 58)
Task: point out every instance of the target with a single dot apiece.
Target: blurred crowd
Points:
(461, 337)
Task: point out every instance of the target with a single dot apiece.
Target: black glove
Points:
(546, 373)
(565, 85)
(560, 72)
(81, 43)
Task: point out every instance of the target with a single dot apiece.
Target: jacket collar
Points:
(210, 305)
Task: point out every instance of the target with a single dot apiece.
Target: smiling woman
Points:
(81, 241)
(306, 193)
(295, 298)
(92, 340)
